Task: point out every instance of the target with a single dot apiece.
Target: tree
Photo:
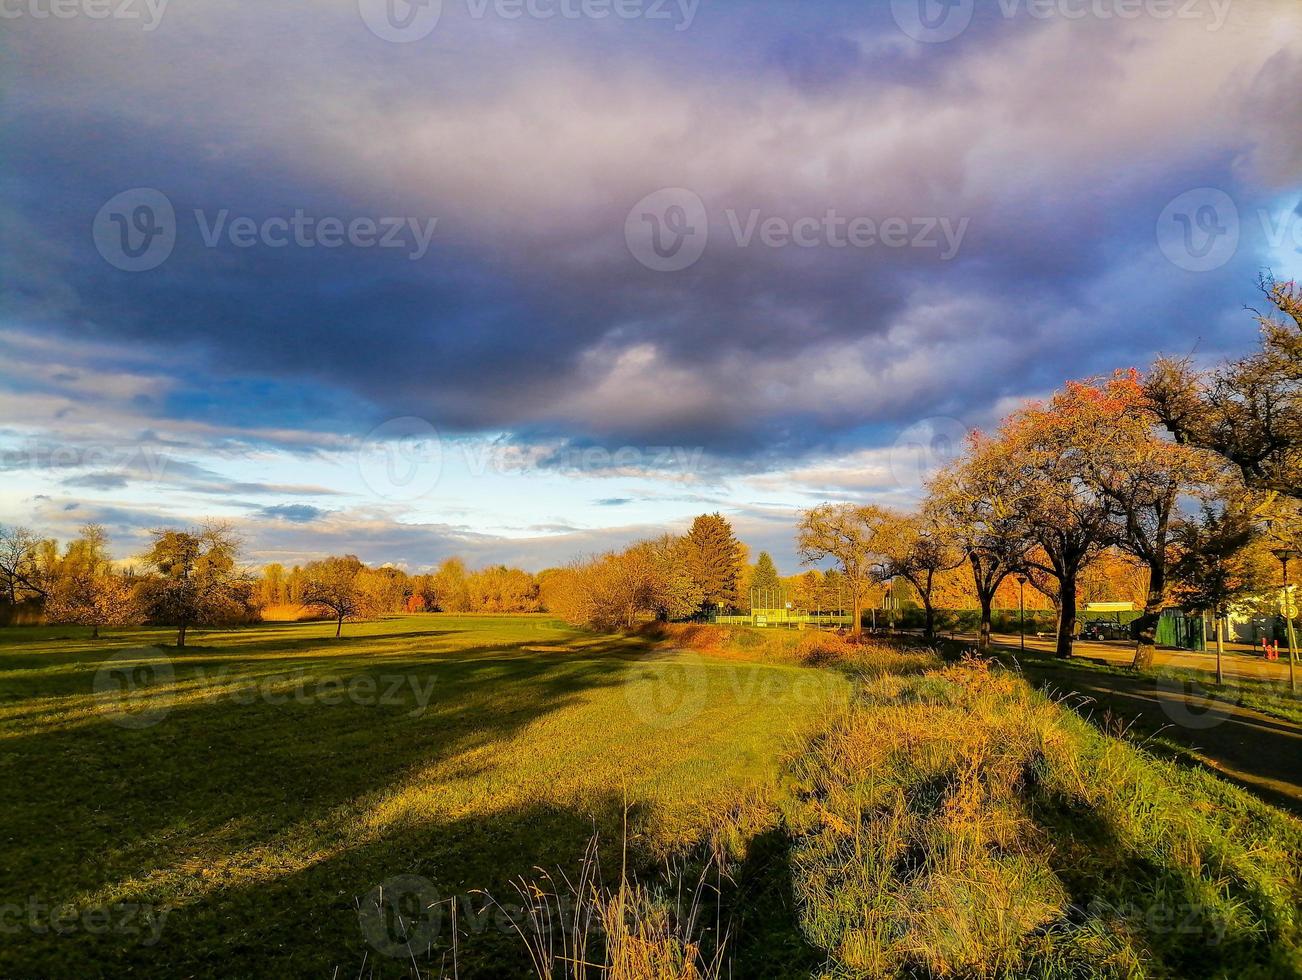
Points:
(198, 580)
(1215, 565)
(984, 526)
(23, 571)
(1039, 465)
(85, 592)
(847, 534)
(335, 584)
(1140, 474)
(765, 581)
(1249, 411)
(618, 590)
(712, 557)
(450, 589)
(916, 548)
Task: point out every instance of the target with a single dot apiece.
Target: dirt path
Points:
(1259, 752)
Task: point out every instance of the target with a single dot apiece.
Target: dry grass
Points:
(579, 929)
(959, 823)
(810, 648)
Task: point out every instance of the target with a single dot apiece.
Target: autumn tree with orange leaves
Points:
(1039, 471)
(1140, 473)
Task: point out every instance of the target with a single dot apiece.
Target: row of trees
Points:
(1192, 476)
(190, 577)
(670, 577)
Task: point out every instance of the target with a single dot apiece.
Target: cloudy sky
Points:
(524, 279)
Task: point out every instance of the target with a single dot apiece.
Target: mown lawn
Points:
(226, 809)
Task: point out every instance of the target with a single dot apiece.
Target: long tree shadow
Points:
(414, 903)
(218, 777)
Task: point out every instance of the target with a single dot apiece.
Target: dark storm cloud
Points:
(1057, 145)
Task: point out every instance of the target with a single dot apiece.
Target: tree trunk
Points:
(94, 631)
(1146, 625)
(339, 626)
(857, 626)
(983, 637)
(180, 636)
(1220, 647)
(929, 621)
(1066, 615)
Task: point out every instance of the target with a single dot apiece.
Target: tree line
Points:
(1193, 476)
(1178, 486)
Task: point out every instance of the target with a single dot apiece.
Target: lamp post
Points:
(1285, 555)
(1021, 607)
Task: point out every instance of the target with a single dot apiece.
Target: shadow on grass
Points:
(216, 779)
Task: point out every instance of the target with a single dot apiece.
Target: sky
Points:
(525, 280)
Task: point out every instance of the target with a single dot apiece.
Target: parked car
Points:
(1104, 630)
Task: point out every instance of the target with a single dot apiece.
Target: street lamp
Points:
(1021, 607)
(1285, 554)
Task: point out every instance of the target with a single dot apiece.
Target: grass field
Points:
(225, 809)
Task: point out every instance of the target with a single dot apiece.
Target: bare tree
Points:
(917, 548)
(985, 528)
(846, 533)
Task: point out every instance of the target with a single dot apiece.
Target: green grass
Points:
(960, 823)
(255, 787)
(1271, 697)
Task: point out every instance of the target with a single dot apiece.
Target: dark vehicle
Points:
(1103, 630)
